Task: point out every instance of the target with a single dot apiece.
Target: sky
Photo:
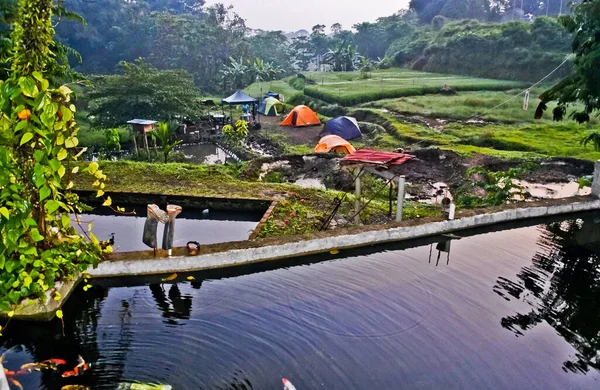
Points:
(293, 15)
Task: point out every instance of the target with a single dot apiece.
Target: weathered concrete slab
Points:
(302, 248)
(44, 310)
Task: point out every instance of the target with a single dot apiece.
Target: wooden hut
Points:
(141, 127)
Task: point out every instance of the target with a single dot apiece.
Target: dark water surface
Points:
(517, 309)
(191, 225)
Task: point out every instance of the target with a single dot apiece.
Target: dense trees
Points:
(583, 85)
(142, 91)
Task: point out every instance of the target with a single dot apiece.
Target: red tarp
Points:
(376, 157)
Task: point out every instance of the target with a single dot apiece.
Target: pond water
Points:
(516, 309)
(205, 154)
(191, 225)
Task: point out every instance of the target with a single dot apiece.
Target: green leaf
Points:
(27, 281)
(38, 155)
(21, 125)
(28, 86)
(4, 212)
(52, 206)
(38, 76)
(35, 234)
(62, 154)
(54, 164)
(61, 171)
(26, 138)
(71, 142)
(67, 114)
(45, 192)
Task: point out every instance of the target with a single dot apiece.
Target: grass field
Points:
(465, 105)
(514, 132)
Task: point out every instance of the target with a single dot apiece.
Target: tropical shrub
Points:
(38, 135)
(236, 134)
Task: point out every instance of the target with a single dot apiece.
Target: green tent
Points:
(270, 107)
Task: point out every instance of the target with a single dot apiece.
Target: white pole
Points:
(400, 202)
(560, 10)
(357, 200)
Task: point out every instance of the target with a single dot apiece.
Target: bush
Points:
(370, 129)
(319, 106)
(298, 83)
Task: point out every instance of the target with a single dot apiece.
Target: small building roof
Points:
(141, 122)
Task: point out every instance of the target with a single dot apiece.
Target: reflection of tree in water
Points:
(173, 305)
(563, 286)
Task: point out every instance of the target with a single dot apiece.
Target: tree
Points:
(336, 28)
(583, 85)
(163, 134)
(142, 91)
(235, 74)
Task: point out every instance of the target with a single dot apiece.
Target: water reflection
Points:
(562, 287)
(173, 305)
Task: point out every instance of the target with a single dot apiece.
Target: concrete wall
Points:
(300, 248)
(596, 181)
(196, 202)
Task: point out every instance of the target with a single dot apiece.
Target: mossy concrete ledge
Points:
(44, 310)
(146, 266)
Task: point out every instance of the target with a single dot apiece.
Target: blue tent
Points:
(343, 126)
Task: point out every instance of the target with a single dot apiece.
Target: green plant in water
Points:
(236, 134)
(594, 139)
(163, 134)
(38, 138)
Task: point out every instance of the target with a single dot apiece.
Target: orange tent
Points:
(335, 143)
(301, 116)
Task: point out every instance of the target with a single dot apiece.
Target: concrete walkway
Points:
(320, 245)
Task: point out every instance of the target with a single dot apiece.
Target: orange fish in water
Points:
(81, 367)
(10, 378)
(57, 362)
(171, 277)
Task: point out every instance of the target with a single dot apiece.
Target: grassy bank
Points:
(499, 140)
(300, 210)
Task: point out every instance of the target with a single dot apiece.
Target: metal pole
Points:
(400, 202)
(357, 205)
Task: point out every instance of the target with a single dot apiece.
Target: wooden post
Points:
(400, 202)
(357, 205)
(133, 137)
(146, 144)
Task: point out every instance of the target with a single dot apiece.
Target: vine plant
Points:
(38, 154)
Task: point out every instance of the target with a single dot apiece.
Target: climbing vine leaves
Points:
(42, 241)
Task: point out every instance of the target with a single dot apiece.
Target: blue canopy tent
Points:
(240, 98)
(343, 126)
